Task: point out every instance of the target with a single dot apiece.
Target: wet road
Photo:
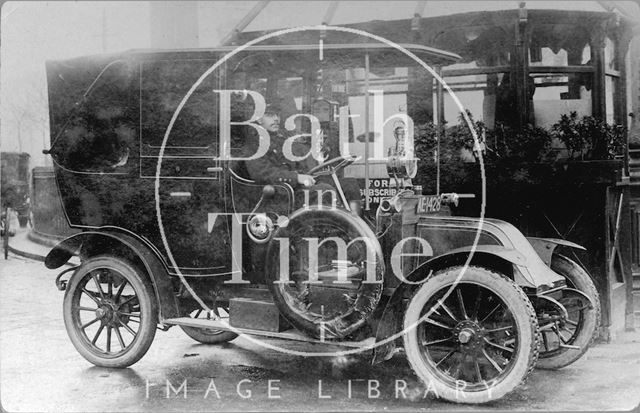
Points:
(41, 371)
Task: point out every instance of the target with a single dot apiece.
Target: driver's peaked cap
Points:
(273, 108)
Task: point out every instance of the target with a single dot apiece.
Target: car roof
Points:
(429, 54)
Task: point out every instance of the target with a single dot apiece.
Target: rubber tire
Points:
(368, 295)
(200, 335)
(521, 309)
(148, 311)
(577, 278)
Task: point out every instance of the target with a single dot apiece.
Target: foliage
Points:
(528, 144)
(589, 138)
(504, 143)
(426, 146)
(585, 139)
(506, 150)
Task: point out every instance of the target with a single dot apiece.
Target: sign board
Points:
(379, 188)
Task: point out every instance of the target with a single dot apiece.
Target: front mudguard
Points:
(546, 246)
(528, 272)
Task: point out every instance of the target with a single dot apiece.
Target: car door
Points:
(179, 148)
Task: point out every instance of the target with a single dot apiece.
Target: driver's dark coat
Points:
(274, 167)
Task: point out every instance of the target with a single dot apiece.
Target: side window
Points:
(100, 137)
(164, 84)
(343, 80)
(278, 78)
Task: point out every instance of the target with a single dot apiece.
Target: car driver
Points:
(274, 167)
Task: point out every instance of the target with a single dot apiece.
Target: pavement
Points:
(28, 244)
(41, 371)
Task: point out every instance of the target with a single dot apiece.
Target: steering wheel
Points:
(332, 165)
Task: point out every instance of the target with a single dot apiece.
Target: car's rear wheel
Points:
(110, 312)
(210, 335)
(567, 336)
(471, 340)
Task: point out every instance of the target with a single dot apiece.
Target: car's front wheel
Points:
(110, 312)
(471, 339)
(566, 336)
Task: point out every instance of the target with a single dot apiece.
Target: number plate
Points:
(429, 204)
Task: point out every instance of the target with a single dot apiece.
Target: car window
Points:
(100, 135)
(163, 86)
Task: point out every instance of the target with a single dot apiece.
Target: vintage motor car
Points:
(149, 149)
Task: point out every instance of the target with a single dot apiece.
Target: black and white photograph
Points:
(212, 206)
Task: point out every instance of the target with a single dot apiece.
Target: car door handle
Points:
(214, 169)
(180, 194)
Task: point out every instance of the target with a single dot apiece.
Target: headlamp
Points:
(259, 228)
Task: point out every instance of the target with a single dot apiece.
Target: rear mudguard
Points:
(158, 274)
(528, 272)
(546, 246)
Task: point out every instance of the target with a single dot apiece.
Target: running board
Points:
(291, 334)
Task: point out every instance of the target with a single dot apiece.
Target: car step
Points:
(290, 334)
